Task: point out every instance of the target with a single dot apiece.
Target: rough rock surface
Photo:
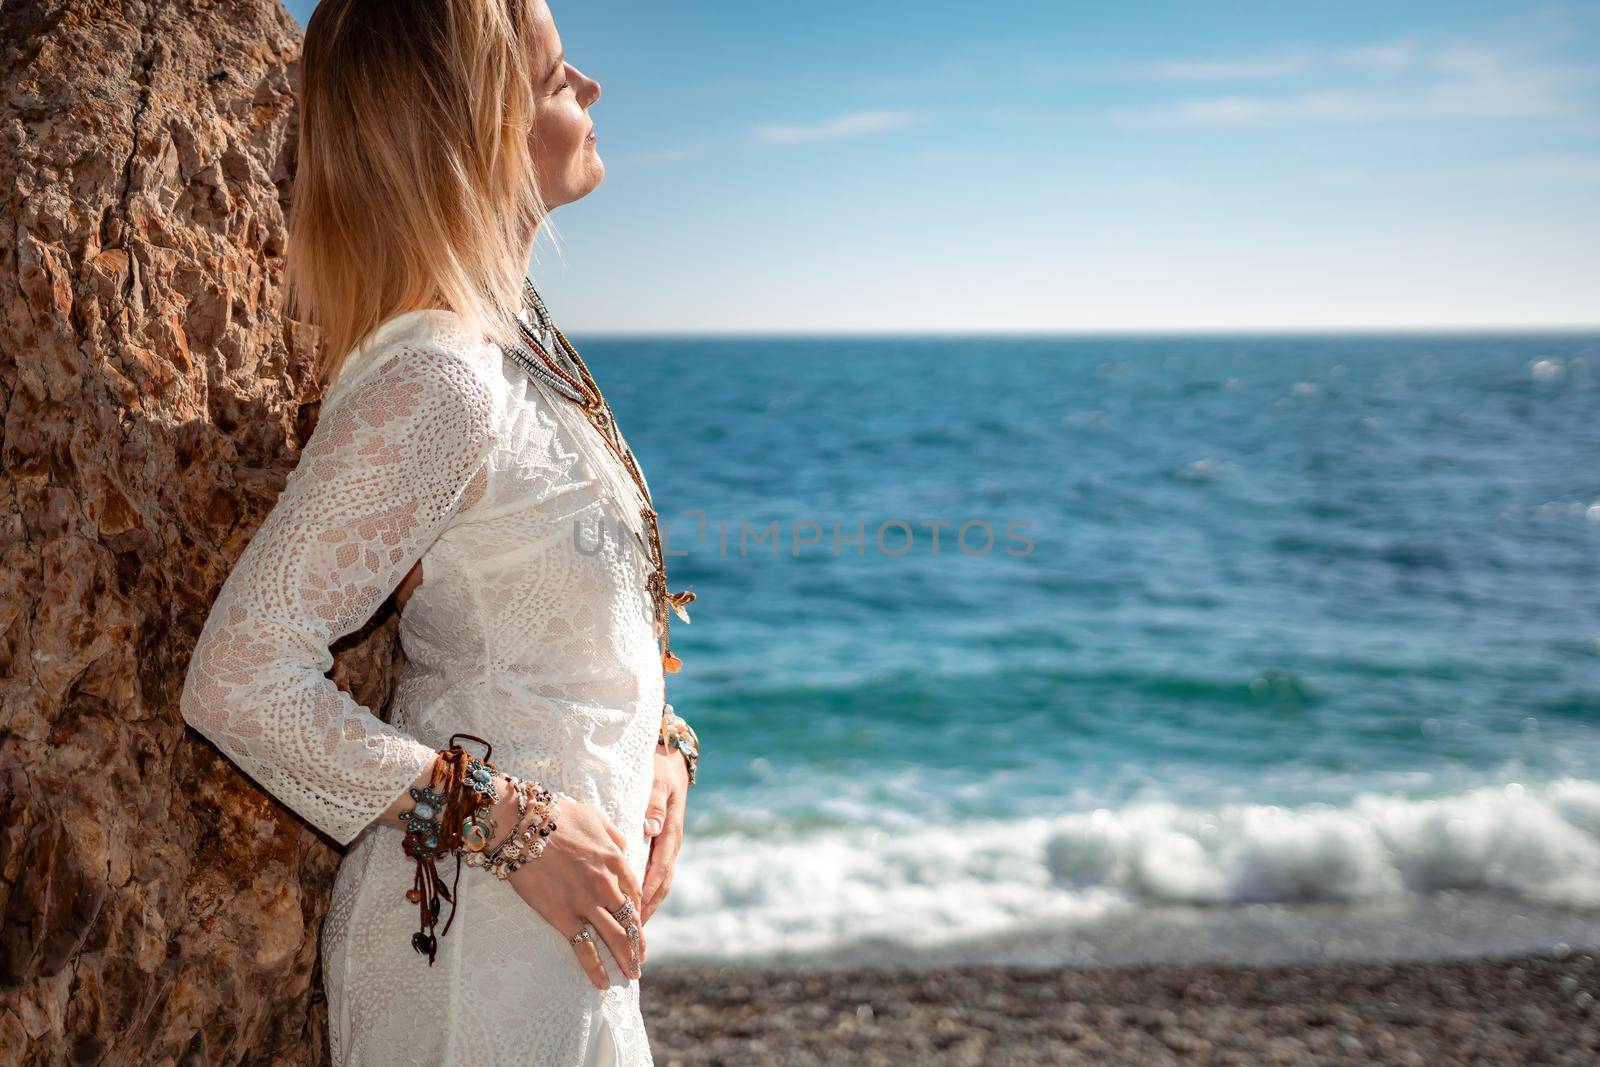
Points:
(157, 907)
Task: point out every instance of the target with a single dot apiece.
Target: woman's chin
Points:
(588, 178)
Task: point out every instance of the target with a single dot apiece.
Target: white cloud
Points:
(1388, 82)
(853, 124)
(1544, 170)
(1289, 61)
(1285, 64)
(1578, 170)
(1392, 56)
(1341, 177)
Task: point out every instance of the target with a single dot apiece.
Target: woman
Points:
(462, 462)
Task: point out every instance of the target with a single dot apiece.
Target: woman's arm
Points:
(393, 461)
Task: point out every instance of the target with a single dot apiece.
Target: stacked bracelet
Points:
(454, 814)
(675, 733)
(527, 838)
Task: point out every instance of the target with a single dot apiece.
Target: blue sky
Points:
(923, 166)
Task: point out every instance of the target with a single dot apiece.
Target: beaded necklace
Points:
(582, 390)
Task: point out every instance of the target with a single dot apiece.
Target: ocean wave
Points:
(741, 896)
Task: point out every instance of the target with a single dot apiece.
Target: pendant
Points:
(474, 837)
(604, 421)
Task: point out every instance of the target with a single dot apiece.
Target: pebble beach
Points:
(1535, 1010)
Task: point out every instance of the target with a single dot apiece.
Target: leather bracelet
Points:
(452, 799)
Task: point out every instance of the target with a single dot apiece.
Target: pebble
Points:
(1489, 1013)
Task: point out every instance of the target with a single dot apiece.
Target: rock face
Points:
(157, 907)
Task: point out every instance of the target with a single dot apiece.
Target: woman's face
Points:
(565, 157)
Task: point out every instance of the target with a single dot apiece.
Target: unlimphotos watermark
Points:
(890, 537)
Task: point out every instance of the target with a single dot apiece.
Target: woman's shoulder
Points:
(426, 346)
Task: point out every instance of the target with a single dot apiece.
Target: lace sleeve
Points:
(394, 459)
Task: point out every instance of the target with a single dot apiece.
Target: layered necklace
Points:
(567, 374)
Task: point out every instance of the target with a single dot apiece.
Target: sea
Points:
(1085, 650)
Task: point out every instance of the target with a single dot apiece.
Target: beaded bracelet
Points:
(479, 857)
(530, 841)
(525, 841)
(676, 733)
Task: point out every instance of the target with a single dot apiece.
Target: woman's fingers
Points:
(659, 893)
(616, 938)
(656, 874)
(628, 883)
(621, 870)
(639, 934)
(638, 930)
(588, 952)
(655, 812)
(664, 856)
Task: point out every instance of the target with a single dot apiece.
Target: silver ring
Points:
(624, 911)
(581, 936)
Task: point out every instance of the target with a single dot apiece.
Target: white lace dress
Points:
(531, 628)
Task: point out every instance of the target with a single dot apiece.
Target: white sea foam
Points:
(748, 897)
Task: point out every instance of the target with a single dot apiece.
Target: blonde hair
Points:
(415, 183)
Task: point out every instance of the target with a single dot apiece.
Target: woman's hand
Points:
(663, 824)
(582, 877)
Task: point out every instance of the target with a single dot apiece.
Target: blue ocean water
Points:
(1261, 620)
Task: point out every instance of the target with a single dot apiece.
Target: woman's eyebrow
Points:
(551, 73)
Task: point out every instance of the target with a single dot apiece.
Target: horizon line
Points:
(1113, 331)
